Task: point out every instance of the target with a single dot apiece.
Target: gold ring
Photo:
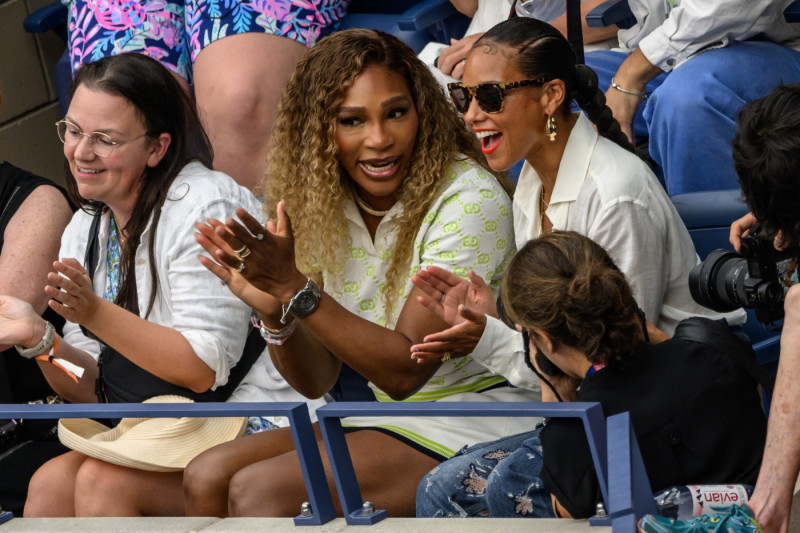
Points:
(241, 266)
(446, 357)
(243, 252)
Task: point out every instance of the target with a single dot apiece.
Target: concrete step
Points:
(208, 525)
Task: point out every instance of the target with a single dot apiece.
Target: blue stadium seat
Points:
(708, 216)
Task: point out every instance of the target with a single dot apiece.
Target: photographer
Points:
(766, 154)
(589, 342)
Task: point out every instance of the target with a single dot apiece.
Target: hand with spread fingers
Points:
(71, 293)
(448, 291)
(256, 262)
(462, 304)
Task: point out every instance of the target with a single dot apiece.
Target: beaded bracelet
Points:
(274, 336)
(640, 96)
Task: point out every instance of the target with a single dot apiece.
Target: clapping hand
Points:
(256, 262)
(462, 304)
(71, 292)
(19, 323)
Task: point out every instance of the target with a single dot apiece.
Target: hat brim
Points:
(154, 444)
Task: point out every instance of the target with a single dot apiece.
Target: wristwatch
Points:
(44, 345)
(304, 302)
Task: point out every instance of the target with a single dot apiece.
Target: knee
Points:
(42, 493)
(238, 106)
(241, 498)
(96, 482)
(429, 496)
(203, 479)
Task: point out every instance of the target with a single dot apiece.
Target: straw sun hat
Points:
(155, 444)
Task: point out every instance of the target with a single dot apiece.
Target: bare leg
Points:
(772, 498)
(388, 473)
(239, 81)
(104, 489)
(207, 477)
(51, 491)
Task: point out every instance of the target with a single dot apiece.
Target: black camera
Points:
(758, 278)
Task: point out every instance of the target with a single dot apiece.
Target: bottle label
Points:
(710, 498)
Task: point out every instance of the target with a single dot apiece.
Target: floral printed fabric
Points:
(112, 262)
(174, 31)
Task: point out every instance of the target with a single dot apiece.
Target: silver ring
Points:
(241, 266)
(242, 252)
(260, 236)
(444, 295)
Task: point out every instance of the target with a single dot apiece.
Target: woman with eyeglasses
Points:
(144, 317)
(580, 174)
(694, 404)
(381, 179)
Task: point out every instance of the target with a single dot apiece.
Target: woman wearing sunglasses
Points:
(519, 82)
(143, 317)
(381, 179)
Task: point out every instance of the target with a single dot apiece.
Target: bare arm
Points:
(310, 360)
(772, 498)
(21, 325)
(465, 7)
(143, 342)
(30, 245)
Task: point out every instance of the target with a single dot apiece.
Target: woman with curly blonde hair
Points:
(379, 177)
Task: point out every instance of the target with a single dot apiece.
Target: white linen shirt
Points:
(611, 196)
(190, 299)
(669, 32)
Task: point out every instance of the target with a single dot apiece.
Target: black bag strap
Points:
(575, 29)
(253, 348)
(718, 335)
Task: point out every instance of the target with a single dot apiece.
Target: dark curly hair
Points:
(567, 285)
(766, 155)
(540, 49)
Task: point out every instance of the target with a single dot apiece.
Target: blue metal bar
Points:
(305, 442)
(630, 492)
(342, 466)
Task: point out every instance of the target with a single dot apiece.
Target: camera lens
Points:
(718, 282)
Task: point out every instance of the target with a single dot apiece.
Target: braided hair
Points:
(542, 50)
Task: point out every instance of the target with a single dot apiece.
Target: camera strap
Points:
(717, 334)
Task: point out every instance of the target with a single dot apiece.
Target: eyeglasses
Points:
(101, 143)
(490, 96)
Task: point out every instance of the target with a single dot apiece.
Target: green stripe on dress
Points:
(443, 393)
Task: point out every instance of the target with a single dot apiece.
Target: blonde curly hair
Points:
(304, 170)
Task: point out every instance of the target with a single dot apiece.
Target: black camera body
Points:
(758, 278)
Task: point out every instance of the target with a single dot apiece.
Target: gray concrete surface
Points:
(243, 525)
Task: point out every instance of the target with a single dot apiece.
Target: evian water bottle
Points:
(685, 501)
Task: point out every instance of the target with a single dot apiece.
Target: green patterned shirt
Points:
(469, 226)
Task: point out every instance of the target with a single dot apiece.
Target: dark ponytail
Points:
(542, 50)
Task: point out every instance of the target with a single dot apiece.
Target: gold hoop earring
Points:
(551, 129)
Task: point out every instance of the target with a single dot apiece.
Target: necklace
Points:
(367, 208)
(543, 205)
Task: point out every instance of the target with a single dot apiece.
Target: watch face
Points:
(305, 303)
